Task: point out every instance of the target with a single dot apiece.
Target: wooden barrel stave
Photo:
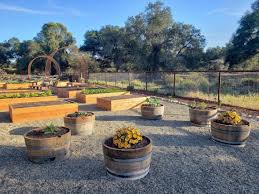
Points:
(40, 150)
(234, 135)
(131, 165)
(202, 117)
(149, 112)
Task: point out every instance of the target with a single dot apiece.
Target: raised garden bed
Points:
(25, 112)
(5, 102)
(18, 91)
(12, 86)
(125, 102)
(90, 96)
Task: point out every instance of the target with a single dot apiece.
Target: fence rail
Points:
(238, 88)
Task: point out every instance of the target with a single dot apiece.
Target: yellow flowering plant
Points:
(126, 137)
(230, 118)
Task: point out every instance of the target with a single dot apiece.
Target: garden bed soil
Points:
(39, 133)
(75, 115)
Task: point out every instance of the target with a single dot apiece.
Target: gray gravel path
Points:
(184, 159)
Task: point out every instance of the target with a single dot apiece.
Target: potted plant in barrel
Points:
(80, 123)
(48, 144)
(230, 128)
(152, 109)
(127, 155)
(201, 114)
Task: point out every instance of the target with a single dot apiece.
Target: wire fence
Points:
(237, 88)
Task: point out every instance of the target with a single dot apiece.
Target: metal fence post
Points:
(115, 79)
(174, 86)
(219, 88)
(146, 79)
(105, 79)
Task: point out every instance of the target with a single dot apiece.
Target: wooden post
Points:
(174, 86)
(219, 88)
(129, 78)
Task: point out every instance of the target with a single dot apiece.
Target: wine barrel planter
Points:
(83, 125)
(127, 164)
(230, 134)
(44, 149)
(152, 112)
(202, 116)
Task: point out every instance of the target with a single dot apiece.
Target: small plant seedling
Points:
(199, 105)
(50, 129)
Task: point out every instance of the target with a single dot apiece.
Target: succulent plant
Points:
(50, 129)
(230, 118)
(126, 137)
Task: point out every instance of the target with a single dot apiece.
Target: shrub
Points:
(130, 88)
(126, 137)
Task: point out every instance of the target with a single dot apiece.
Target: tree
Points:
(245, 42)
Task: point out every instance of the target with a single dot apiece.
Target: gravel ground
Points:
(184, 160)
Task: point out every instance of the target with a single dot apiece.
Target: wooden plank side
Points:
(4, 103)
(92, 98)
(41, 112)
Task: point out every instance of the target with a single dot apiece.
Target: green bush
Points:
(101, 90)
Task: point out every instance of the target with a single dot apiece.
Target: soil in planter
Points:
(207, 108)
(141, 144)
(40, 134)
(76, 115)
(243, 122)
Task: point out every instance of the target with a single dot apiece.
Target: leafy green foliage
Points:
(153, 102)
(26, 95)
(245, 42)
(199, 105)
(50, 129)
(101, 90)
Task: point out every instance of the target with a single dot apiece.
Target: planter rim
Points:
(85, 116)
(147, 105)
(129, 149)
(235, 126)
(40, 139)
(204, 110)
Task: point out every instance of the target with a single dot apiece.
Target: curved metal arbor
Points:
(49, 58)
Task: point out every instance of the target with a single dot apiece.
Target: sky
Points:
(217, 19)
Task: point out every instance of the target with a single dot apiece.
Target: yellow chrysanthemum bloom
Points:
(126, 137)
(230, 118)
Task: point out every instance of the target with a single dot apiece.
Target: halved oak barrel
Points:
(230, 134)
(202, 116)
(44, 149)
(152, 112)
(83, 125)
(127, 164)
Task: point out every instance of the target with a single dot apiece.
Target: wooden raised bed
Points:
(62, 91)
(92, 98)
(2, 85)
(10, 86)
(116, 103)
(26, 112)
(71, 93)
(17, 91)
(4, 103)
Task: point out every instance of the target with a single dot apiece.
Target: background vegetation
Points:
(149, 41)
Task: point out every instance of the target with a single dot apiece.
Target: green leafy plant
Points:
(153, 102)
(26, 95)
(50, 129)
(199, 105)
(101, 90)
